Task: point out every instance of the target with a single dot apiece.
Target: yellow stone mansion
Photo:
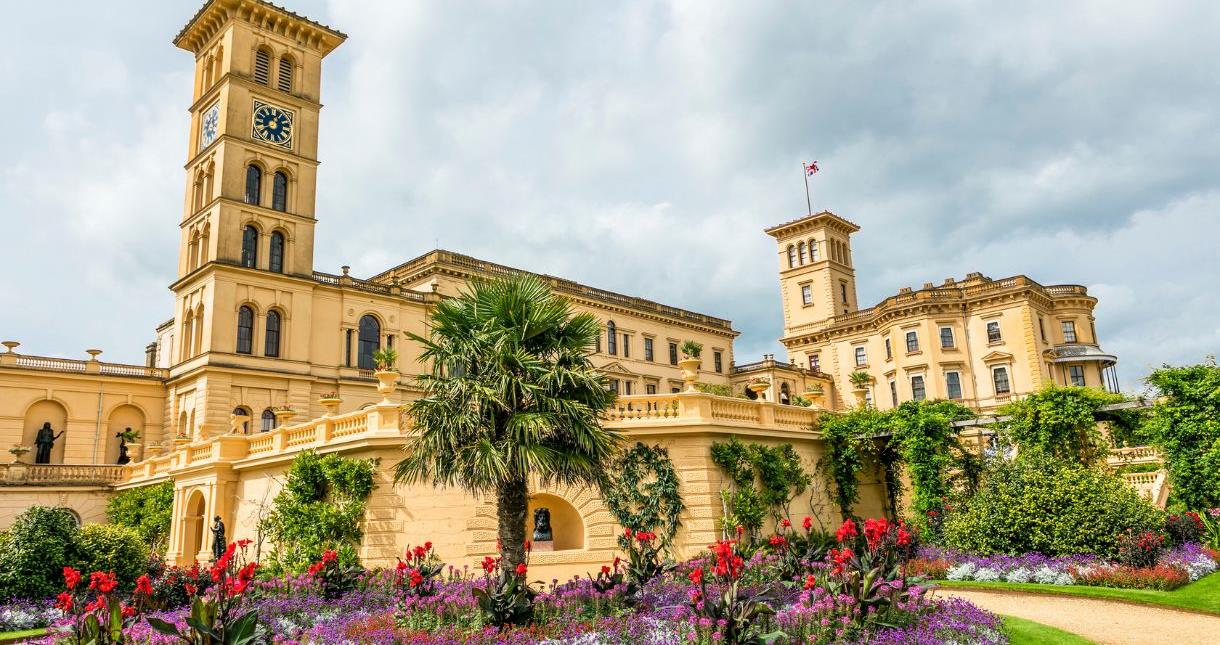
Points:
(265, 357)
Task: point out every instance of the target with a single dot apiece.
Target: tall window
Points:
(370, 342)
(1069, 331)
(894, 392)
(648, 349)
(279, 192)
(918, 391)
(284, 82)
(673, 353)
(953, 385)
(245, 330)
(271, 347)
(889, 349)
(946, 337)
(249, 246)
(1076, 374)
(861, 357)
(993, 332)
(254, 184)
(1041, 329)
(275, 260)
(626, 346)
(999, 376)
(627, 388)
(807, 294)
(718, 361)
(262, 67)
(815, 362)
(801, 250)
(791, 256)
(912, 342)
(347, 348)
(611, 338)
(843, 291)
(813, 251)
(650, 388)
(268, 420)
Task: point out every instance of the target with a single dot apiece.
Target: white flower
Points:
(1020, 574)
(961, 572)
(985, 574)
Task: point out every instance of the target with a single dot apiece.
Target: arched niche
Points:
(193, 525)
(43, 412)
(123, 417)
(567, 526)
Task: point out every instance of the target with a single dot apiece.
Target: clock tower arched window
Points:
(272, 345)
(249, 246)
(279, 192)
(254, 184)
(262, 66)
(245, 330)
(275, 260)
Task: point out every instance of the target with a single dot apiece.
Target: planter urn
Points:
(690, 372)
(387, 383)
(332, 404)
(759, 389)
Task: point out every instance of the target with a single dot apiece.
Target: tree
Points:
(1186, 426)
(1062, 422)
(511, 394)
(147, 509)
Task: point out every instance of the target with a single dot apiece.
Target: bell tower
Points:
(252, 151)
(816, 277)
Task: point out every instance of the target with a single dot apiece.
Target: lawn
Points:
(13, 637)
(1027, 632)
(1202, 595)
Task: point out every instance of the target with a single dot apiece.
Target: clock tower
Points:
(247, 229)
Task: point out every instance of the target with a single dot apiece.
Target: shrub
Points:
(1036, 503)
(113, 548)
(1140, 549)
(41, 543)
(147, 509)
(1184, 527)
(1186, 427)
(1160, 577)
(1062, 422)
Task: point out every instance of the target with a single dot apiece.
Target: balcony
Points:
(59, 475)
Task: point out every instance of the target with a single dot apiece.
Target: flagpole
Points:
(805, 174)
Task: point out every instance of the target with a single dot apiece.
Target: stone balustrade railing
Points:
(78, 366)
(1133, 455)
(693, 408)
(60, 474)
(1152, 486)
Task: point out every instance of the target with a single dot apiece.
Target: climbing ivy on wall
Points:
(1062, 422)
(643, 492)
(764, 480)
(319, 508)
(845, 436)
(927, 442)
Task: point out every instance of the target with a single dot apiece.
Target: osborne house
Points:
(264, 357)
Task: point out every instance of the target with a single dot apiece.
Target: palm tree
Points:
(511, 394)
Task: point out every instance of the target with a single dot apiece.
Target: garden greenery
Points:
(40, 543)
(1186, 427)
(114, 548)
(643, 491)
(320, 508)
(147, 509)
(927, 443)
(1062, 422)
(1039, 503)
(765, 479)
(843, 460)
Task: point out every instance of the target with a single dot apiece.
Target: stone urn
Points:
(816, 397)
(135, 451)
(331, 403)
(690, 372)
(283, 415)
(387, 383)
(759, 388)
(861, 395)
(18, 452)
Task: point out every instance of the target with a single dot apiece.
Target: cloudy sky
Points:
(642, 147)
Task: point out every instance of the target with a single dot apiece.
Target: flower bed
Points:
(1173, 568)
(855, 593)
(20, 615)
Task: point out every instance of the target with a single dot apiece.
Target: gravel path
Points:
(1103, 621)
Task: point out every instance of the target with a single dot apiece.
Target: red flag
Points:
(811, 168)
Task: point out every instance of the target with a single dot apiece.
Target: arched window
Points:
(284, 82)
(188, 328)
(254, 184)
(813, 251)
(272, 345)
(611, 338)
(801, 247)
(245, 330)
(791, 256)
(268, 419)
(785, 395)
(275, 260)
(249, 246)
(279, 192)
(370, 342)
(242, 411)
(262, 67)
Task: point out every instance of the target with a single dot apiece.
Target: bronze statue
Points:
(122, 437)
(44, 442)
(542, 525)
(218, 539)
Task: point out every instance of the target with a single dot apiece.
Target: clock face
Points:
(209, 126)
(272, 124)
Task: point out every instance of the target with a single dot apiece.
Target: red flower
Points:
(247, 572)
(128, 611)
(521, 569)
(527, 546)
(778, 541)
(605, 570)
(696, 576)
(190, 588)
(243, 543)
(846, 531)
(808, 523)
(420, 552)
(416, 578)
(402, 566)
(617, 561)
(489, 564)
(785, 523)
(63, 602)
(427, 546)
(102, 582)
(904, 538)
(628, 533)
(810, 582)
(874, 530)
(932, 513)
(95, 604)
(143, 586)
(330, 555)
(71, 577)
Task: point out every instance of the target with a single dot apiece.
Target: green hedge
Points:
(40, 543)
(1039, 504)
(110, 547)
(147, 509)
